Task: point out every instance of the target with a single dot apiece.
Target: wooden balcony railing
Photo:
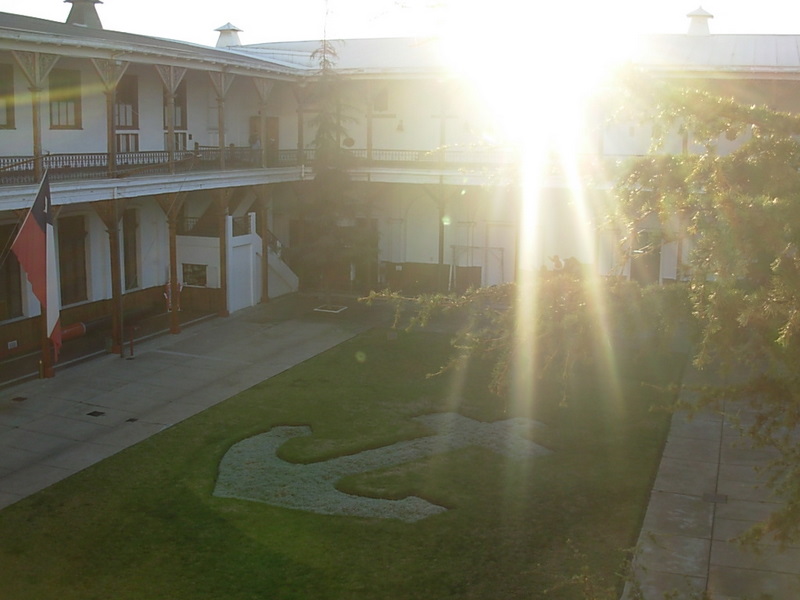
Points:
(19, 170)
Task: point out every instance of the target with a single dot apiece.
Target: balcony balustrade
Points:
(19, 170)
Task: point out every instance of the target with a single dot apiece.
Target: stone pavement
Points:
(707, 492)
(53, 428)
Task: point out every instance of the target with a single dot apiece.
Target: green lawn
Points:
(144, 524)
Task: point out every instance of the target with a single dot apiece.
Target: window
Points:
(126, 105)
(72, 259)
(6, 97)
(196, 275)
(65, 99)
(180, 107)
(10, 278)
(130, 248)
(127, 142)
(181, 140)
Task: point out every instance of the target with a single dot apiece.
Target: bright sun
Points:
(536, 70)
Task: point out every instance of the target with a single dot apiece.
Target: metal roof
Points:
(735, 53)
(19, 31)
(369, 55)
(755, 54)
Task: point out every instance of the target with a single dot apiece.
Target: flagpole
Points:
(34, 247)
(47, 369)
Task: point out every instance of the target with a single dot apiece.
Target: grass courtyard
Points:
(145, 524)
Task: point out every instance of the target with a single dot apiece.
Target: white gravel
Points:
(251, 469)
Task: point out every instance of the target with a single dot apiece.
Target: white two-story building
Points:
(181, 169)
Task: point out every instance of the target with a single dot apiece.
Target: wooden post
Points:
(221, 82)
(264, 89)
(36, 67)
(109, 213)
(110, 73)
(263, 217)
(36, 112)
(370, 103)
(171, 205)
(221, 129)
(47, 368)
(439, 197)
(111, 141)
(222, 200)
(301, 97)
(171, 77)
(174, 287)
(440, 287)
(170, 97)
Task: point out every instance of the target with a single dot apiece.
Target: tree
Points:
(331, 242)
(740, 210)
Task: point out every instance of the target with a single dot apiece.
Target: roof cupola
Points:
(84, 13)
(698, 25)
(228, 36)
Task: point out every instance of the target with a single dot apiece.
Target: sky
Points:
(280, 20)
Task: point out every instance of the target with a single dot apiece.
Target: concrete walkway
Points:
(53, 428)
(707, 492)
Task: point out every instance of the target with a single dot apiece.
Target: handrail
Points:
(274, 244)
(15, 170)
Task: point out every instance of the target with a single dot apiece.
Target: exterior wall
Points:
(201, 109)
(200, 251)
(91, 136)
(479, 232)
(18, 141)
(151, 107)
(429, 115)
(416, 104)
(153, 243)
(282, 104)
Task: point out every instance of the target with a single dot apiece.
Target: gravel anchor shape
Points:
(251, 469)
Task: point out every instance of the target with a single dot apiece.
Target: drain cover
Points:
(716, 498)
(96, 413)
(19, 399)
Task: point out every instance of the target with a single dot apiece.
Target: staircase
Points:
(282, 280)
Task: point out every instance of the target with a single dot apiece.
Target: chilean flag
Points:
(35, 249)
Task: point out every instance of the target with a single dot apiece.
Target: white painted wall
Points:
(18, 141)
(91, 137)
(153, 242)
(151, 107)
(199, 251)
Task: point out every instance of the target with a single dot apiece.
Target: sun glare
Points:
(536, 71)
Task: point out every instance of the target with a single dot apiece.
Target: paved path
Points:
(53, 428)
(706, 493)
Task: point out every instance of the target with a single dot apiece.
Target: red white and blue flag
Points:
(35, 249)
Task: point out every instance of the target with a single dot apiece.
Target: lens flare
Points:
(536, 72)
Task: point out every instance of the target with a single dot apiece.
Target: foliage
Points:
(736, 199)
(544, 329)
(144, 523)
(330, 240)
